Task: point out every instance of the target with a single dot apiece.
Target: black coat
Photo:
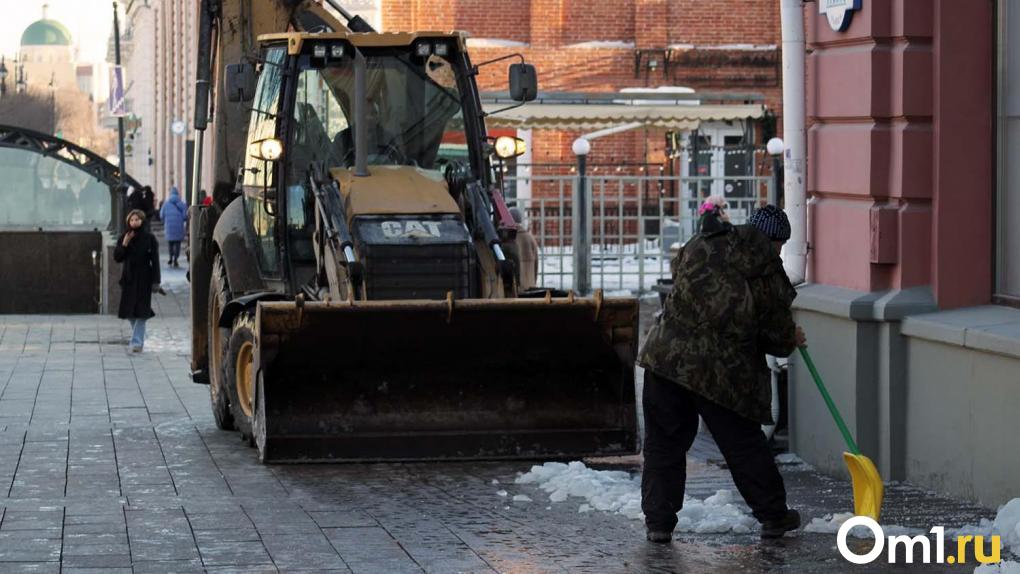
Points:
(142, 200)
(139, 274)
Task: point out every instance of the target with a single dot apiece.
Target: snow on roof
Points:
(602, 44)
(495, 43)
(728, 47)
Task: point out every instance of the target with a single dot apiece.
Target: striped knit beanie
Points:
(772, 221)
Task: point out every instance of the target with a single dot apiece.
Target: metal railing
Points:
(637, 223)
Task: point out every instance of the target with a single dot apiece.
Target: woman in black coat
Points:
(138, 250)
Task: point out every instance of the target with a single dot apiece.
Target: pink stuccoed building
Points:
(912, 311)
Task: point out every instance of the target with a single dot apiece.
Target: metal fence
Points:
(636, 224)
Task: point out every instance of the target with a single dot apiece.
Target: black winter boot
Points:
(777, 528)
(660, 537)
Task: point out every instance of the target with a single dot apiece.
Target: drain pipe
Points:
(794, 134)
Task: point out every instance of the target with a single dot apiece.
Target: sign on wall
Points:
(839, 12)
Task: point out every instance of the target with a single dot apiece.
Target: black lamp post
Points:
(53, 104)
(20, 81)
(775, 147)
(3, 76)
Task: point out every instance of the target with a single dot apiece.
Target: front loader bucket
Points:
(441, 380)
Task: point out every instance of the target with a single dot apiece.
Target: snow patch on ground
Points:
(619, 293)
(1004, 567)
(522, 498)
(789, 458)
(830, 523)
(1006, 525)
(620, 492)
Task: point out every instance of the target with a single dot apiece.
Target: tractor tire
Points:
(219, 296)
(240, 374)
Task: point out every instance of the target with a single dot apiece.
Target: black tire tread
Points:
(219, 288)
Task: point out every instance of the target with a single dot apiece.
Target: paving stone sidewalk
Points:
(112, 463)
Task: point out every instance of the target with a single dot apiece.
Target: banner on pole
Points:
(117, 101)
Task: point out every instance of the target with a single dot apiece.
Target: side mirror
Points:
(240, 82)
(523, 82)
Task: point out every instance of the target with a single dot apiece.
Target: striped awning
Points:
(600, 116)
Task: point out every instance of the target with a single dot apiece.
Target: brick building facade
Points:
(581, 46)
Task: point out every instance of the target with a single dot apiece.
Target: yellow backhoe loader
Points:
(351, 295)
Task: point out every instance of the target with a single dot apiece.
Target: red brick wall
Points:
(724, 21)
(588, 21)
(549, 27)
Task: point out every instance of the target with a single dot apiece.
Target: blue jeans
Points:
(175, 250)
(137, 332)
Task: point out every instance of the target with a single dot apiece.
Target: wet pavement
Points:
(112, 463)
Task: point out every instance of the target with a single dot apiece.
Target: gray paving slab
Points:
(112, 463)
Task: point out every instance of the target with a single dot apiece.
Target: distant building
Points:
(85, 76)
(137, 51)
(47, 54)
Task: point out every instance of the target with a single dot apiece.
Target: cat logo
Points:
(410, 229)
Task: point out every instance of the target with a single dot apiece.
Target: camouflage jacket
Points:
(730, 305)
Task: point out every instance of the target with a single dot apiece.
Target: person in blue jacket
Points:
(174, 213)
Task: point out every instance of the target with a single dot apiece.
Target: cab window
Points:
(259, 175)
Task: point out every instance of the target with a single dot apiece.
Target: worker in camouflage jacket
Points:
(730, 306)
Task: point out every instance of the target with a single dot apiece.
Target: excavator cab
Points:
(361, 305)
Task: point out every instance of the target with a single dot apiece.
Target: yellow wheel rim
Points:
(245, 376)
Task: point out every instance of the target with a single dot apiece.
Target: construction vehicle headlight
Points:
(268, 149)
(442, 49)
(423, 49)
(508, 147)
(336, 51)
(319, 51)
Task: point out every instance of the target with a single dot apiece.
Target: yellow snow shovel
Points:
(867, 483)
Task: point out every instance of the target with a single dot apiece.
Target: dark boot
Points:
(777, 528)
(659, 537)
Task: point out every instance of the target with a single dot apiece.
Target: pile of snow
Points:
(830, 523)
(1006, 525)
(607, 490)
(619, 492)
(1004, 567)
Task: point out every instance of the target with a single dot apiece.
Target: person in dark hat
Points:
(705, 356)
(142, 200)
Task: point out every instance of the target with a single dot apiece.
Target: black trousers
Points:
(671, 424)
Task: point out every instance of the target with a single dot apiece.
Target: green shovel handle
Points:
(850, 443)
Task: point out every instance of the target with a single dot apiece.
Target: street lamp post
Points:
(3, 76)
(20, 82)
(581, 220)
(119, 204)
(775, 147)
(53, 104)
